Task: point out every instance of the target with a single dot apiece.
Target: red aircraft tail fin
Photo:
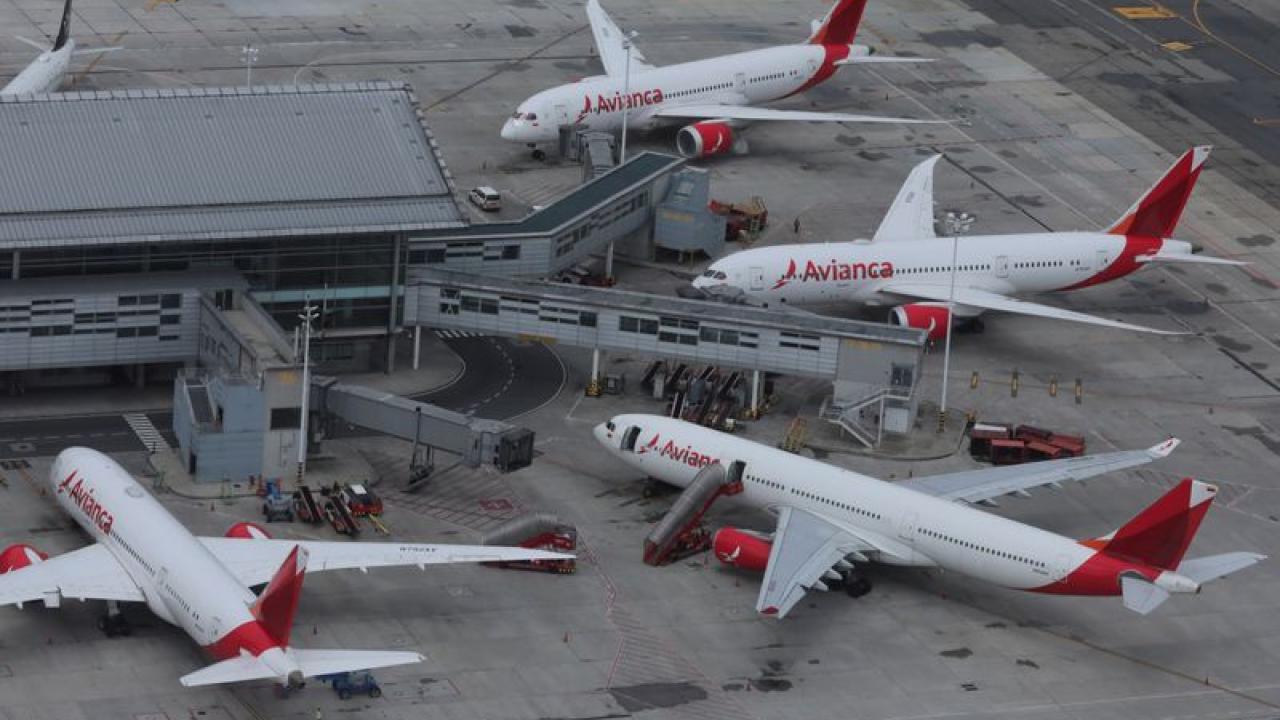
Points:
(840, 24)
(1156, 213)
(1159, 535)
(277, 604)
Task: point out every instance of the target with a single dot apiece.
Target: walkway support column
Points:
(417, 345)
(593, 385)
(755, 393)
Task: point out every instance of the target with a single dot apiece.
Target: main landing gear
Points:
(538, 153)
(114, 622)
(854, 583)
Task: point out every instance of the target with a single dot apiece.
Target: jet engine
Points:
(741, 549)
(923, 316)
(704, 139)
(19, 556)
(248, 531)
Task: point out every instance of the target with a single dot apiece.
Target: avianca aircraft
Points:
(201, 584)
(44, 74)
(831, 520)
(907, 267)
(715, 96)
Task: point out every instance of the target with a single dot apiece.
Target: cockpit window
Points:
(709, 274)
(531, 116)
(721, 276)
(610, 426)
(517, 115)
(715, 275)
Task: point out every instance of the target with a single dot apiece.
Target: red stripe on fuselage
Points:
(1099, 575)
(250, 637)
(1125, 263)
(831, 54)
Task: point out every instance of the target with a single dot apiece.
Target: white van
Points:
(485, 198)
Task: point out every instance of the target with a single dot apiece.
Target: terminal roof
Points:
(173, 164)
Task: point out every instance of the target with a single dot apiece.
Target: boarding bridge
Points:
(239, 413)
(859, 358)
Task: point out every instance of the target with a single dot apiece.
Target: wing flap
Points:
(255, 561)
(985, 300)
(712, 111)
(974, 486)
(90, 573)
(805, 548)
(911, 215)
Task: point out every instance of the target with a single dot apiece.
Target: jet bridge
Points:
(476, 440)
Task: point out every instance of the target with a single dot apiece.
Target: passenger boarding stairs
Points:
(679, 533)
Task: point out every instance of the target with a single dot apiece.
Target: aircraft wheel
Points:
(375, 693)
(345, 694)
(539, 154)
(856, 586)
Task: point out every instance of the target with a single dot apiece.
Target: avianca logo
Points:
(88, 504)
(834, 270)
(605, 103)
(685, 454)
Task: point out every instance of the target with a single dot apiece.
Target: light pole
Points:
(308, 314)
(249, 56)
(626, 93)
(957, 224)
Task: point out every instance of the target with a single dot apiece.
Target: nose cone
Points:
(509, 130)
(602, 434)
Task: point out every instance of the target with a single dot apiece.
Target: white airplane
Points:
(715, 96)
(201, 584)
(830, 520)
(907, 267)
(45, 73)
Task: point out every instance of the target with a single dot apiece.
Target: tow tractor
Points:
(275, 506)
(361, 500)
(347, 684)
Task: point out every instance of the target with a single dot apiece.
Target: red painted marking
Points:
(250, 637)
(841, 25)
(276, 606)
(1125, 263)
(1099, 575)
(1159, 210)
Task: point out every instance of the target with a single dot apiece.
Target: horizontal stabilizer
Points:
(1141, 596)
(96, 50)
(1212, 567)
(309, 662)
(1188, 259)
(881, 59)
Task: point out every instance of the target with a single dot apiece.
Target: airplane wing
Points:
(911, 215)
(986, 300)
(90, 573)
(805, 548)
(712, 111)
(982, 485)
(609, 43)
(253, 562)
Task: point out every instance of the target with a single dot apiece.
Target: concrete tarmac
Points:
(1069, 111)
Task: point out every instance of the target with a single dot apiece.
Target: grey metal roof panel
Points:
(200, 148)
(129, 283)
(184, 155)
(174, 224)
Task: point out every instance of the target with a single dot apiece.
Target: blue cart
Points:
(347, 684)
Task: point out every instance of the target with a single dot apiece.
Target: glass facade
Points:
(350, 275)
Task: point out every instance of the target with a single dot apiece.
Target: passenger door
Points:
(757, 278)
(1102, 260)
(1002, 266)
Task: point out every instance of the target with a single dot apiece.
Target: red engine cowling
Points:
(741, 549)
(923, 316)
(704, 139)
(248, 531)
(19, 556)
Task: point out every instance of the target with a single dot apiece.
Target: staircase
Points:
(679, 533)
(848, 416)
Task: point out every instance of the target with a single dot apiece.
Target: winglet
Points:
(64, 30)
(1164, 449)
